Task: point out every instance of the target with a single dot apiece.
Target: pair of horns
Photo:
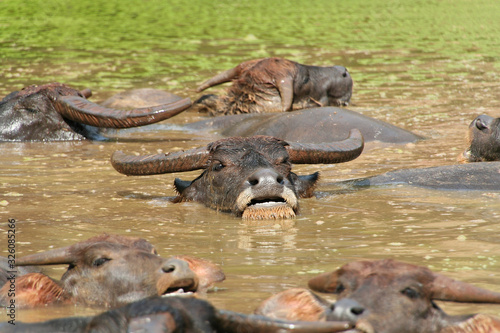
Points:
(83, 111)
(194, 159)
(441, 287)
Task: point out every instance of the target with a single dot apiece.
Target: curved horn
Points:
(237, 322)
(83, 111)
(180, 161)
(53, 257)
(444, 288)
(333, 152)
(225, 76)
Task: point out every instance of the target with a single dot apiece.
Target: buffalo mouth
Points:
(269, 209)
(179, 287)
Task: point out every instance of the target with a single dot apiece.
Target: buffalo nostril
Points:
(169, 268)
(357, 310)
(265, 177)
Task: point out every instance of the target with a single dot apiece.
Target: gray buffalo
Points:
(55, 112)
(275, 85)
(249, 177)
(108, 270)
(386, 296)
(483, 174)
(315, 125)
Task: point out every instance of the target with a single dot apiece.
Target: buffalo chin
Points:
(268, 211)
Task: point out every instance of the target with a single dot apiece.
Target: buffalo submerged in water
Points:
(385, 296)
(57, 112)
(249, 177)
(107, 271)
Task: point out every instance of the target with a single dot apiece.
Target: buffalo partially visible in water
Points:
(249, 177)
(56, 112)
(173, 314)
(315, 125)
(386, 296)
(483, 173)
(275, 85)
(109, 270)
(483, 139)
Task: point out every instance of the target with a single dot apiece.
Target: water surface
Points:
(427, 66)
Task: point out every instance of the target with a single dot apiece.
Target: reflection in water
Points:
(267, 236)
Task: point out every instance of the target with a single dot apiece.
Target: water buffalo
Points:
(275, 85)
(315, 125)
(484, 140)
(386, 296)
(250, 177)
(109, 270)
(483, 174)
(57, 112)
(173, 314)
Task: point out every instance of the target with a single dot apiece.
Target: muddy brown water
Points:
(63, 192)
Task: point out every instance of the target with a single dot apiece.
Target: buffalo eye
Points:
(217, 166)
(410, 293)
(100, 261)
(283, 160)
(340, 288)
(31, 110)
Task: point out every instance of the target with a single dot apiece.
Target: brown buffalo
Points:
(109, 270)
(57, 112)
(250, 177)
(386, 296)
(483, 140)
(275, 85)
(173, 314)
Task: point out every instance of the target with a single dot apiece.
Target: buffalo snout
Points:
(347, 309)
(176, 276)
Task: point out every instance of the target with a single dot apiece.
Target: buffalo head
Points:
(57, 112)
(250, 177)
(110, 270)
(484, 140)
(388, 296)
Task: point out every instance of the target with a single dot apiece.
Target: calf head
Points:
(57, 112)
(110, 270)
(250, 177)
(484, 140)
(390, 296)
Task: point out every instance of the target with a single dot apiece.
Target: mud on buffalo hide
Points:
(55, 112)
(275, 85)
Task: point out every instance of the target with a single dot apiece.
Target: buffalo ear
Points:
(305, 185)
(181, 185)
